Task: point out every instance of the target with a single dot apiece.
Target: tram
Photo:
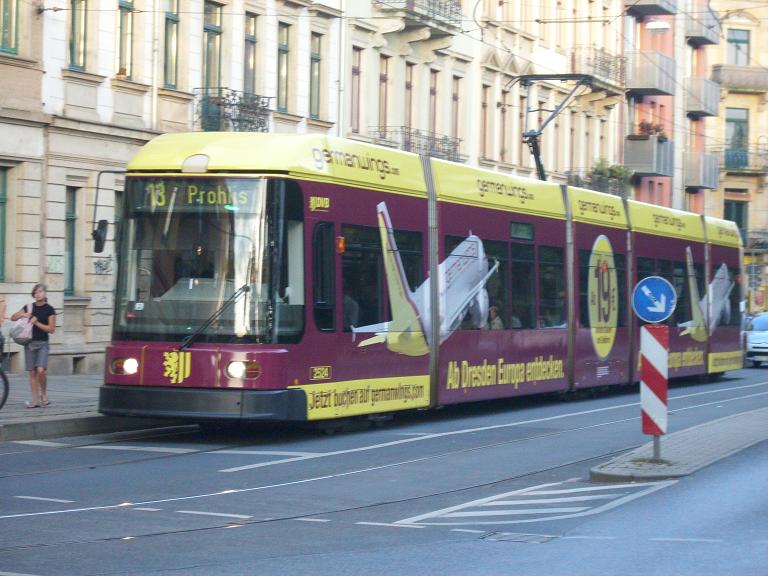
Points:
(303, 277)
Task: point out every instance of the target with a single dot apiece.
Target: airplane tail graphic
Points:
(403, 334)
(697, 327)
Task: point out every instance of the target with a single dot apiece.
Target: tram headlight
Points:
(236, 369)
(239, 369)
(127, 366)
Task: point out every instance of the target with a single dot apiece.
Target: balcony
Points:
(442, 17)
(703, 98)
(702, 25)
(701, 170)
(419, 142)
(650, 7)
(745, 160)
(741, 78)
(599, 183)
(225, 110)
(608, 68)
(650, 72)
(647, 156)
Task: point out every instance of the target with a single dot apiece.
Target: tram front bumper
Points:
(203, 404)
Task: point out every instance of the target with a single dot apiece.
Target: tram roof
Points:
(722, 232)
(309, 156)
(663, 221)
(462, 184)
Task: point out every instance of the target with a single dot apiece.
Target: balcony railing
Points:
(746, 160)
(419, 142)
(701, 170)
(225, 110)
(650, 7)
(599, 183)
(443, 17)
(746, 78)
(703, 97)
(599, 63)
(646, 156)
(650, 72)
(702, 25)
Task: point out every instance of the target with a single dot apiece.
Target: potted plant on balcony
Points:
(646, 129)
(610, 178)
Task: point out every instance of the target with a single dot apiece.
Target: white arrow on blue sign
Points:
(654, 299)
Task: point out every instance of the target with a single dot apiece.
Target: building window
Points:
(409, 94)
(249, 57)
(212, 45)
(354, 111)
(283, 37)
(738, 47)
(77, 33)
(125, 38)
(736, 211)
(434, 78)
(383, 85)
(484, 112)
(315, 71)
(455, 105)
(505, 130)
(3, 219)
(171, 48)
(70, 221)
(9, 13)
(736, 137)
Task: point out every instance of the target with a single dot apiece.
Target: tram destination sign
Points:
(654, 299)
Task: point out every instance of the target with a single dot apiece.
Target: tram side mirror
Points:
(100, 236)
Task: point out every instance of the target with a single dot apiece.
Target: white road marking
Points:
(433, 436)
(45, 499)
(146, 509)
(267, 453)
(217, 514)
(388, 525)
(589, 537)
(311, 520)
(549, 500)
(705, 540)
(520, 512)
(465, 510)
(44, 443)
(469, 530)
(141, 449)
(15, 574)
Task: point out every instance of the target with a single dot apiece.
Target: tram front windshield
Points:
(186, 245)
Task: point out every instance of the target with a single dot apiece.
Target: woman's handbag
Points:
(21, 331)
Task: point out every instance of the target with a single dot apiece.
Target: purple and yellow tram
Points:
(302, 277)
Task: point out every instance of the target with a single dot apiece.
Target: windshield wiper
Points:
(188, 340)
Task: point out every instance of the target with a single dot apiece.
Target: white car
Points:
(756, 339)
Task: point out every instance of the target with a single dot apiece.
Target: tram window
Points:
(497, 283)
(621, 279)
(734, 297)
(680, 284)
(523, 293)
(645, 267)
(324, 271)
(551, 288)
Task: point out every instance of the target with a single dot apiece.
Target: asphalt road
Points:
(494, 488)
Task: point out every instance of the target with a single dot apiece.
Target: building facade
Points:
(614, 93)
(741, 136)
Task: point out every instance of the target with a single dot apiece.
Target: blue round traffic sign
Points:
(654, 299)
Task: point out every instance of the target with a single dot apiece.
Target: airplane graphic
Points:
(462, 296)
(719, 293)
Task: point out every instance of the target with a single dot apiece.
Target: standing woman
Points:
(43, 318)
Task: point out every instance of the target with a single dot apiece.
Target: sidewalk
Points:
(73, 410)
(688, 450)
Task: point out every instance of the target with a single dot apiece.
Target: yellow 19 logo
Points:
(602, 290)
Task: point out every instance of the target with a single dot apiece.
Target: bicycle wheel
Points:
(3, 387)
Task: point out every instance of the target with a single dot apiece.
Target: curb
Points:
(78, 426)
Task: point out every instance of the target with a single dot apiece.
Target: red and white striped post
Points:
(654, 375)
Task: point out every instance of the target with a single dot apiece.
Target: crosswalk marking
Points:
(218, 514)
(509, 511)
(45, 499)
(159, 449)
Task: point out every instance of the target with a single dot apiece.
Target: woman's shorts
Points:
(36, 354)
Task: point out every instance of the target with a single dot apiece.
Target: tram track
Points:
(428, 436)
